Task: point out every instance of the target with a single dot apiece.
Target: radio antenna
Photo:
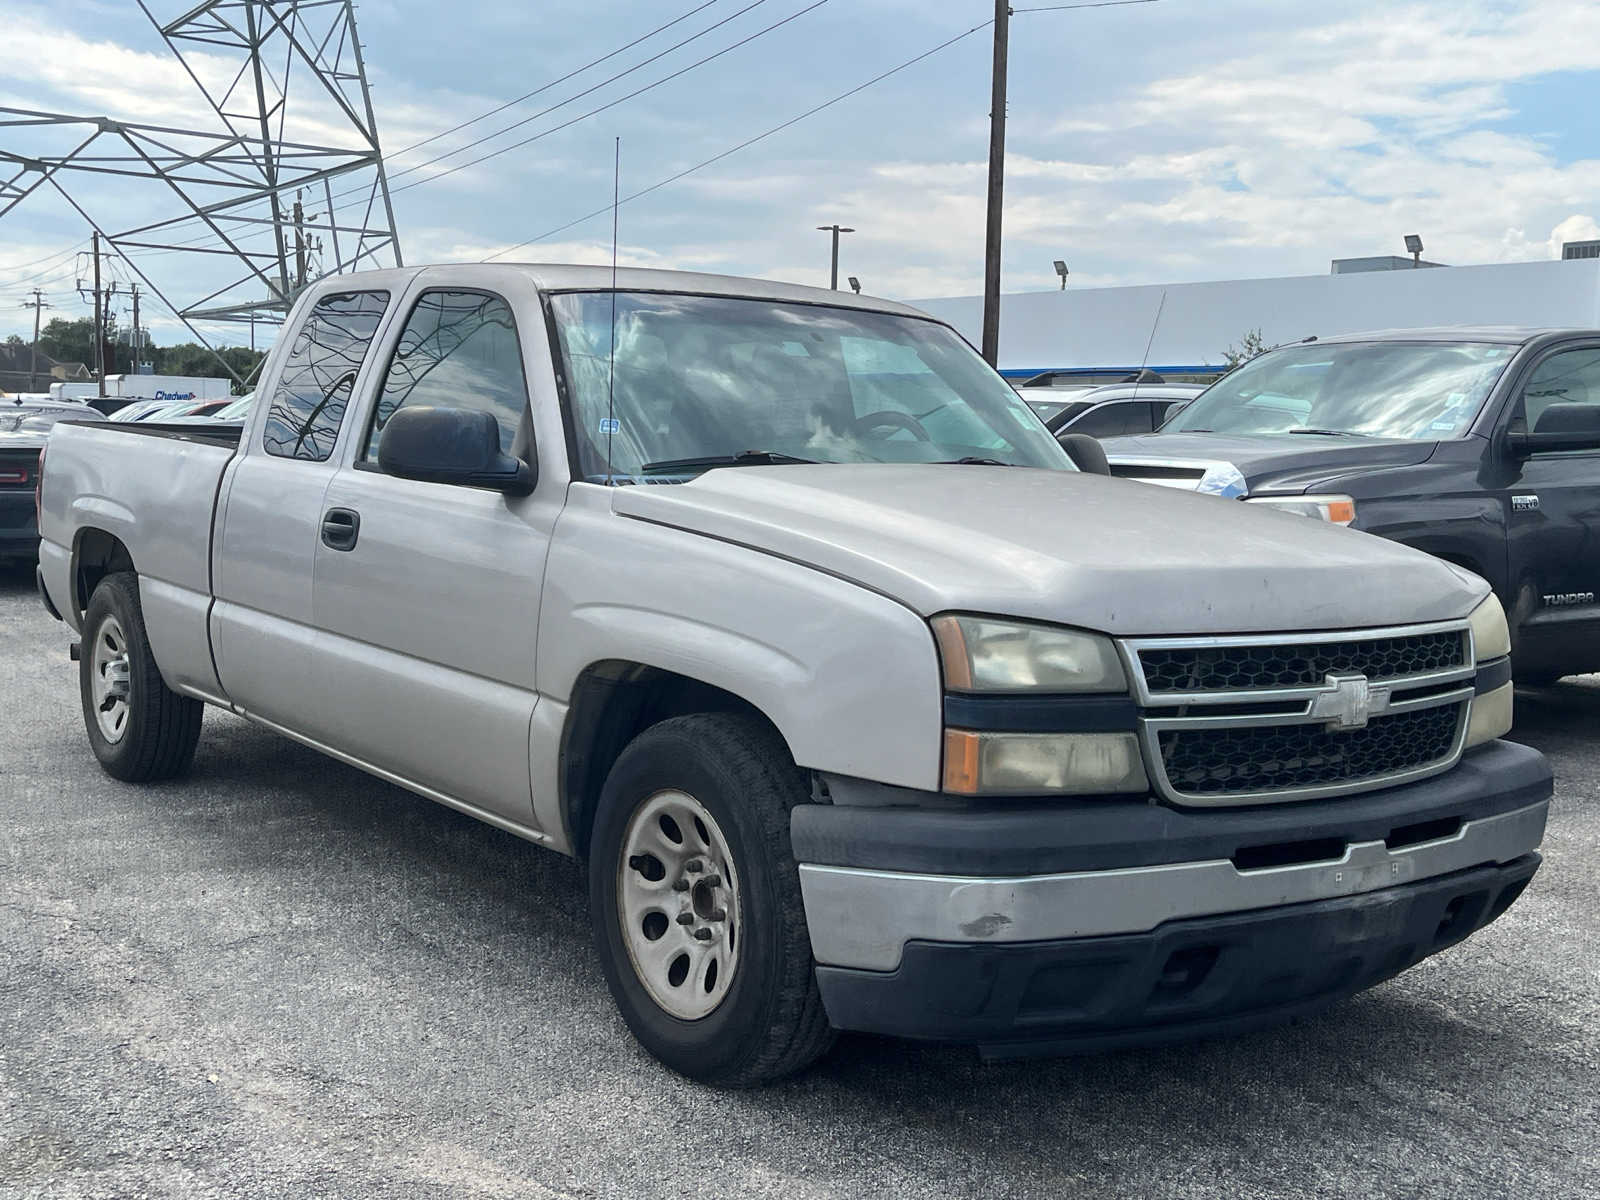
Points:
(611, 357)
(1148, 342)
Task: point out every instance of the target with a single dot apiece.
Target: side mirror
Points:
(1173, 409)
(451, 445)
(1086, 453)
(1560, 427)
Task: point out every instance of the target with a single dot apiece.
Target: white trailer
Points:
(148, 387)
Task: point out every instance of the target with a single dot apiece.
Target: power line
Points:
(484, 116)
(816, 4)
(489, 137)
(59, 263)
(1091, 4)
(748, 142)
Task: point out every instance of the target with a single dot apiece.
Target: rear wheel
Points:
(139, 729)
(696, 903)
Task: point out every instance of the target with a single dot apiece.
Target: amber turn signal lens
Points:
(960, 762)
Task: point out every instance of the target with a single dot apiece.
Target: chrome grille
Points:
(1273, 758)
(1249, 720)
(1298, 664)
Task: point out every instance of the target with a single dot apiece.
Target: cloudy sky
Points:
(1155, 142)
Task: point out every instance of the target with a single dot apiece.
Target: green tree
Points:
(69, 341)
(1249, 346)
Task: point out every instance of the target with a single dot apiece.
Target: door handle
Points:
(340, 528)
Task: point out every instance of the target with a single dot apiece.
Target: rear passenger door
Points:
(271, 510)
(428, 616)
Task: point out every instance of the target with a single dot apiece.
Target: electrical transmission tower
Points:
(287, 183)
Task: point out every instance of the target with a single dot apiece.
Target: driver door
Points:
(1552, 500)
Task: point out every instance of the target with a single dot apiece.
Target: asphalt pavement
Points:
(280, 977)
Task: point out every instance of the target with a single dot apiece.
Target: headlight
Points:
(1336, 510)
(1491, 638)
(1021, 764)
(984, 655)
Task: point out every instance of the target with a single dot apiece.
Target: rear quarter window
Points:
(314, 388)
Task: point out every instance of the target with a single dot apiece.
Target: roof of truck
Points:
(1511, 335)
(558, 277)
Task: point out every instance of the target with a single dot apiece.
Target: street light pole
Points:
(836, 230)
(997, 174)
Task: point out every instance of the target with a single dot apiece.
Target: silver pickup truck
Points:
(867, 709)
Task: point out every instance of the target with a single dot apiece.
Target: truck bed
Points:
(152, 488)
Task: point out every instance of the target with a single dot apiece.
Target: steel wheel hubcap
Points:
(678, 901)
(109, 676)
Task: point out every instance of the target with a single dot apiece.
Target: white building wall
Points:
(1108, 327)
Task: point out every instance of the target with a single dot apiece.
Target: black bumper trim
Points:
(1047, 837)
(1191, 978)
(1041, 714)
(1493, 674)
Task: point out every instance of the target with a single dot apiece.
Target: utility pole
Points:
(836, 230)
(37, 304)
(99, 323)
(299, 244)
(997, 174)
(136, 355)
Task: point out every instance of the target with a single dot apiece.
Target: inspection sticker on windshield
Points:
(610, 425)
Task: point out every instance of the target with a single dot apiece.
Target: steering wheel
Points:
(886, 417)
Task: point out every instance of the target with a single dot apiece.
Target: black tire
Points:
(771, 1022)
(161, 729)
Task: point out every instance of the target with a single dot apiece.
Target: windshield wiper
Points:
(745, 458)
(971, 461)
(1327, 432)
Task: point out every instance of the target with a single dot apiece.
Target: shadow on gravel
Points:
(16, 579)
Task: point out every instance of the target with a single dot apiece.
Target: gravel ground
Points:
(280, 977)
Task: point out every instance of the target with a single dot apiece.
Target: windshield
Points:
(700, 377)
(1422, 390)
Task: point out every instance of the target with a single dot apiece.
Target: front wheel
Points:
(139, 729)
(696, 904)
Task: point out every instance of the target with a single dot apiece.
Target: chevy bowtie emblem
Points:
(1348, 701)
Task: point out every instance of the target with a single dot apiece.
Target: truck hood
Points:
(1084, 550)
(1280, 463)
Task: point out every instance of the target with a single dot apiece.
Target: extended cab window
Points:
(1571, 377)
(458, 350)
(314, 390)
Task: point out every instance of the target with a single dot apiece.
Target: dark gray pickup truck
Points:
(1480, 446)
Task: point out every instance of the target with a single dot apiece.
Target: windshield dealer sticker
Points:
(610, 425)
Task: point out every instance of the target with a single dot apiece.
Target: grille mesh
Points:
(1291, 664)
(1219, 762)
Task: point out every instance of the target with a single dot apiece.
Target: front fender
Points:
(849, 677)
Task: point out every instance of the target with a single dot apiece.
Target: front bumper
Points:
(1195, 978)
(943, 924)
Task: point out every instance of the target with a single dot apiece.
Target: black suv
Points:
(1481, 446)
